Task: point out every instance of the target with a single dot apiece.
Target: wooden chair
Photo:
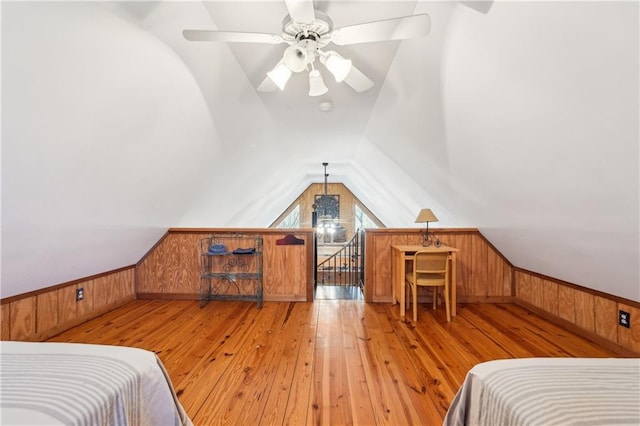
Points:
(429, 270)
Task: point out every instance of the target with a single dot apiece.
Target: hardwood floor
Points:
(335, 292)
(330, 362)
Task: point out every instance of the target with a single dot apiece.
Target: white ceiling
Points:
(303, 126)
(522, 121)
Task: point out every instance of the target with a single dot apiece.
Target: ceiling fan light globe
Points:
(338, 66)
(280, 75)
(316, 84)
(295, 58)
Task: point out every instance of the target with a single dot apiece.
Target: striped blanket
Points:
(549, 391)
(77, 384)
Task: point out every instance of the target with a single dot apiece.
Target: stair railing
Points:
(345, 267)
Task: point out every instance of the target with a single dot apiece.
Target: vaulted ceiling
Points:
(521, 120)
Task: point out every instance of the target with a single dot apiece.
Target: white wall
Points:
(522, 121)
(104, 137)
(536, 137)
(407, 126)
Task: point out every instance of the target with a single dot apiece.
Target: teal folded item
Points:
(217, 249)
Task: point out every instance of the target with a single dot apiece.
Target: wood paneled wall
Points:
(49, 311)
(483, 274)
(583, 310)
(172, 268)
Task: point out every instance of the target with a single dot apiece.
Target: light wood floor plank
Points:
(193, 342)
(299, 400)
(326, 362)
(394, 382)
(353, 331)
(331, 402)
(440, 386)
(204, 375)
(297, 331)
(240, 366)
(496, 335)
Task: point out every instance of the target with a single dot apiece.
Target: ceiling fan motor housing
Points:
(319, 31)
(305, 40)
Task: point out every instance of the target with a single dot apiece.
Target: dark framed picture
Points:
(328, 205)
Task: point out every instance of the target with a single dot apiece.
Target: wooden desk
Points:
(400, 254)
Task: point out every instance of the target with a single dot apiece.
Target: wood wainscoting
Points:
(46, 312)
(171, 269)
(581, 310)
(483, 274)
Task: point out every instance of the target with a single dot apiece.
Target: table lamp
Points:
(426, 216)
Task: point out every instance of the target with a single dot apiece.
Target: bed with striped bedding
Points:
(81, 384)
(549, 391)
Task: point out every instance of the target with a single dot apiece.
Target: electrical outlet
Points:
(79, 294)
(624, 319)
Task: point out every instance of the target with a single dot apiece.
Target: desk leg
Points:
(394, 275)
(401, 284)
(454, 284)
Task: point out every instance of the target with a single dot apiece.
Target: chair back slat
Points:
(429, 262)
(430, 269)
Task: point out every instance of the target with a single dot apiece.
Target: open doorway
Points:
(338, 218)
(339, 273)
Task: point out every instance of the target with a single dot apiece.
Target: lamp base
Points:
(427, 240)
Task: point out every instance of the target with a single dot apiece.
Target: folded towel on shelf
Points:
(217, 249)
(251, 250)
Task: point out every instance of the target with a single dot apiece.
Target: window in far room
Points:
(362, 219)
(292, 220)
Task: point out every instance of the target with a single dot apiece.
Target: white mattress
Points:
(549, 391)
(80, 384)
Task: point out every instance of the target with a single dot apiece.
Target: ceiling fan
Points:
(308, 31)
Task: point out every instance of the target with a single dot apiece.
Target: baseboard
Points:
(467, 299)
(485, 299)
(195, 296)
(168, 296)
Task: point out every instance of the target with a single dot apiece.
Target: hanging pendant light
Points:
(325, 218)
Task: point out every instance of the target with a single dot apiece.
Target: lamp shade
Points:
(338, 66)
(316, 85)
(426, 215)
(280, 75)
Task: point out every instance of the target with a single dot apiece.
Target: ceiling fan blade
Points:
(358, 81)
(391, 29)
(267, 85)
(232, 37)
(301, 11)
